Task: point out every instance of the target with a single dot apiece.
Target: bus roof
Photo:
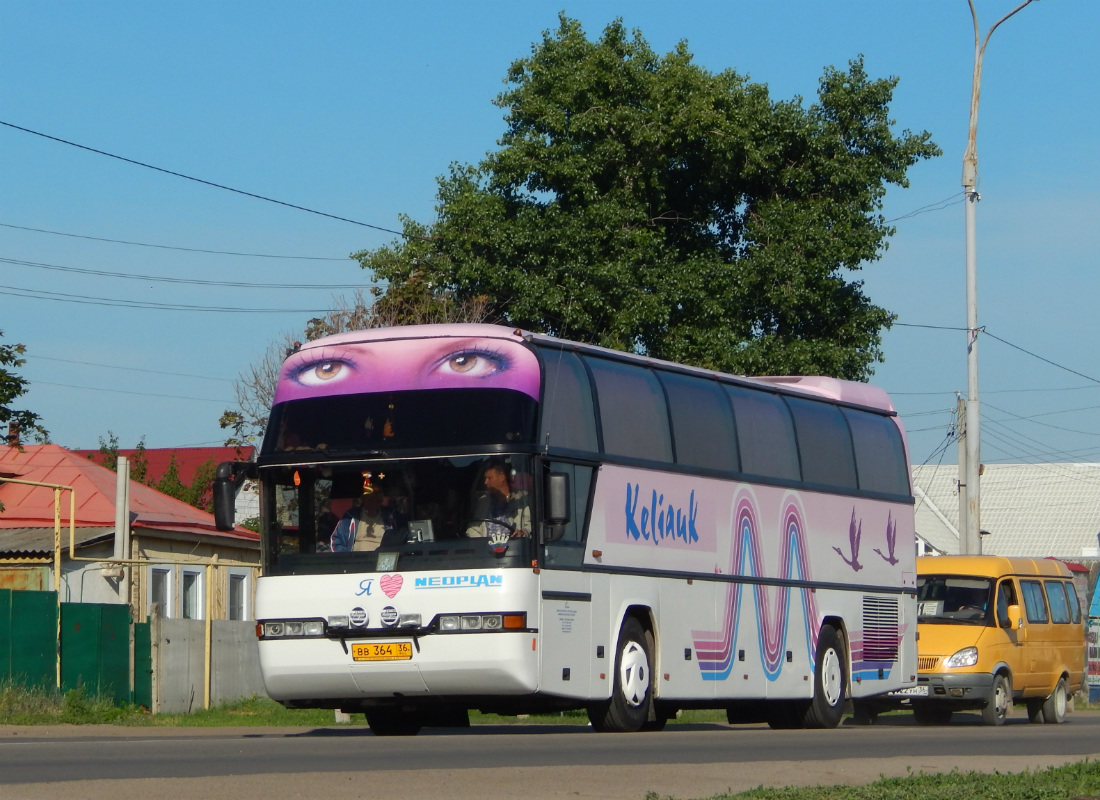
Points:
(842, 391)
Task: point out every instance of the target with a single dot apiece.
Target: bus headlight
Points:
(291, 628)
(486, 623)
(967, 657)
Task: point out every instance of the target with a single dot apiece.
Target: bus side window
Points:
(564, 543)
(1006, 596)
(765, 433)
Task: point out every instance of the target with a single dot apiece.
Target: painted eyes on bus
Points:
(330, 368)
(321, 371)
(473, 363)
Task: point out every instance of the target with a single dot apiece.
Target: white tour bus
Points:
(462, 517)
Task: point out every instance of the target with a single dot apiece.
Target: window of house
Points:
(160, 591)
(237, 595)
(191, 595)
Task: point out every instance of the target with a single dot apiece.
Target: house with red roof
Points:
(171, 556)
(188, 462)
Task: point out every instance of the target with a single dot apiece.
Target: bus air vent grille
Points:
(880, 629)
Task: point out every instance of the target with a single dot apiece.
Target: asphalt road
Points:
(489, 762)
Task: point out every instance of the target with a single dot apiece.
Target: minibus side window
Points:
(1074, 602)
(1059, 606)
(1034, 601)
(1006, 596)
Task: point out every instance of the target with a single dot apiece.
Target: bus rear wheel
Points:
(628, 708)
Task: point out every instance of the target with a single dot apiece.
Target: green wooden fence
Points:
(94, 646)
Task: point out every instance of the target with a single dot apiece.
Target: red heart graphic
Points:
(391, 584)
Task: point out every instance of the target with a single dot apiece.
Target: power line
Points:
(191, 281)
(171, 247)
(35, 294)
(204, 182)
(127, 369)
(939, 205)
(1044, 360)
(124, 391)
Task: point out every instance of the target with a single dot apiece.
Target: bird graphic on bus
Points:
(891, 540)
(855, 531)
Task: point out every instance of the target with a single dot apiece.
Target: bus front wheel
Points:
(830, 681)
(628, 708)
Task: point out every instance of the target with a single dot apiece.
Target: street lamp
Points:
(970, 525)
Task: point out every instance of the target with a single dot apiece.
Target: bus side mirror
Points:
(1015, 621)
(228, 480)
(557, 498)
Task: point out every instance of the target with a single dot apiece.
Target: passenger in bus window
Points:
(363, 525)
(510, 507)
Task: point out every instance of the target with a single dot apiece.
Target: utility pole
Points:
(960, 433)
(971, 540)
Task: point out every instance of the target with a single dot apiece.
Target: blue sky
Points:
(354, 109)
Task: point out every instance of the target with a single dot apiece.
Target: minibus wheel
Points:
(1054, 708)
(1000, 698)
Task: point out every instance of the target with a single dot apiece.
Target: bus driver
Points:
(500, 502)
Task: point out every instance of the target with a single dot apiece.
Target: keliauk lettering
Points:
(659, 521)
(458, 581)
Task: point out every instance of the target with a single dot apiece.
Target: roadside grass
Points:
(1078, 780)
(21, 705)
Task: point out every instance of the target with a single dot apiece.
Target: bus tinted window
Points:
(824, 444)
(702, 422)
(765, 434)
(632, 411)
(880, 454)
(568, 420)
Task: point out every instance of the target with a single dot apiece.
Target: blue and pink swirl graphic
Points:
(715, 649)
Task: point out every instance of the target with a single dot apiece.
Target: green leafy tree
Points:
(643, 203)
(12, 387)
(198, 493)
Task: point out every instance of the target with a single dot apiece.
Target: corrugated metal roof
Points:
(1030, 510)
(39, 542)
(30, 507)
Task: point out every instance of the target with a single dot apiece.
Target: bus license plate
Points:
(382, 651)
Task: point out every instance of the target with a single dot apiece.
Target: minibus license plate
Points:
(382, 651)
(913, 691)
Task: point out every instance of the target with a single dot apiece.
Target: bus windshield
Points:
(952, 600)
(407, 515)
